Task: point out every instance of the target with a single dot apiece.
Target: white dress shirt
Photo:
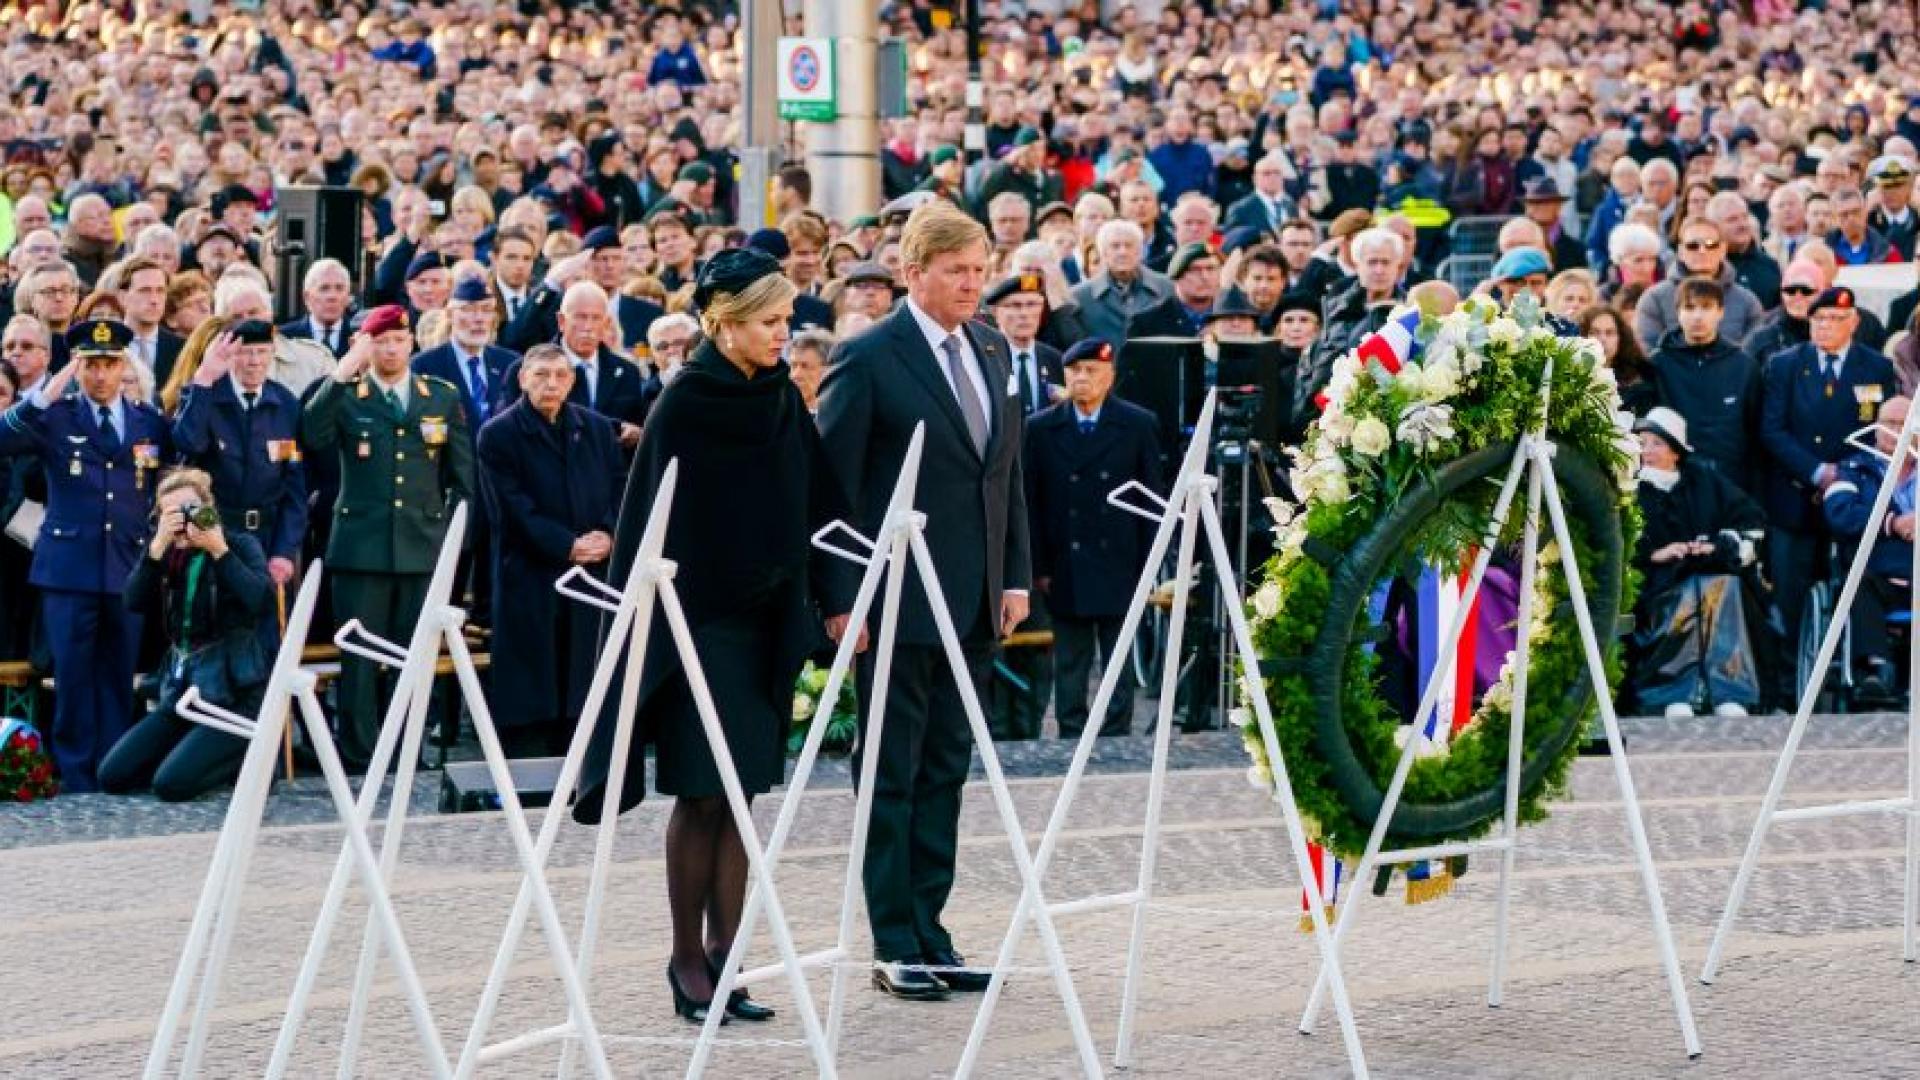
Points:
(976, 379)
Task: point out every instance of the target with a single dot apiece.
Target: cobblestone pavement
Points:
(99, 893)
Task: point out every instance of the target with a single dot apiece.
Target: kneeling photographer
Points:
(210, 591)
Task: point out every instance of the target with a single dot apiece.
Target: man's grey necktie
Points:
(970, 406)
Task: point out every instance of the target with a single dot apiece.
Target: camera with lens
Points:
(199, 515)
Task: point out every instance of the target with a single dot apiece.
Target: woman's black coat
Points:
(225, 655)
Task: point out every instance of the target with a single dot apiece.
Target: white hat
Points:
(1667, 424)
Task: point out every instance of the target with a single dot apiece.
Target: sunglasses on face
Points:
(1701, 245)
(1798, 290)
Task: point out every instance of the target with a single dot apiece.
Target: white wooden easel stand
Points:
(405, 723)
(650, 579)
(1908, 805)
(901, 538)
(1533, 457)
(219, 907)
(1190, 504)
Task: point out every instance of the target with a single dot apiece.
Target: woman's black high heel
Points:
(739, 1005)
(685, 1007)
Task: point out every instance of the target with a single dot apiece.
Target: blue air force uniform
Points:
(1089, 553)
(252, 452)
(102, 463)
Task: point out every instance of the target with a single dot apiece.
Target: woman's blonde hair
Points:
(746, 305)
(186, 477)
(936, 228)
(475, 198)
(188, 362)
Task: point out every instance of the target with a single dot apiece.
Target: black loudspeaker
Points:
(314, 223)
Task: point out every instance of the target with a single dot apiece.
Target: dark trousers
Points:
(1793, 558)
(387, 605)
(473, 574)
(926, 749)
(180, 759)
(1015, 713)
(1878, 595)
(1074, 642)
(94, 641)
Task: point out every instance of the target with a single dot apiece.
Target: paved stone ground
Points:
(99, 893)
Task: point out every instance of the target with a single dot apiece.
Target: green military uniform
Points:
(402, 470)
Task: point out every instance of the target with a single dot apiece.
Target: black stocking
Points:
(729, 892)
(692, 840)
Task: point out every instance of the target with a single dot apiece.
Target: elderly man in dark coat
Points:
(1087, 554)
(551, 474)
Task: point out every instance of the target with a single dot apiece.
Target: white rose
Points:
(1266, 600)
(1292, 539)
(1442, 382)
(1336, 425)
(1371, 437)
(1540, 335)
(1280, 510)
(1504, 331)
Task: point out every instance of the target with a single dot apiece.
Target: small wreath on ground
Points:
(1399, 475)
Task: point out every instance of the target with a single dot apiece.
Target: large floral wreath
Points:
(1402, 469)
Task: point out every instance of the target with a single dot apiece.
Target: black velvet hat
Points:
(732, 271)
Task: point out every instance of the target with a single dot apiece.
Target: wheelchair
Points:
(1839, 693)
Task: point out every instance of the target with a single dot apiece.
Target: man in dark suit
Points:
(926, 363)
(551, 475)
(1812, 397)
(101, 454)
(605, 382)
(1087, 555)
(603, 261)
(471, 362)
(1267, 207)
(405, 461)
(242, 429)
(327, 294)
(143, 299)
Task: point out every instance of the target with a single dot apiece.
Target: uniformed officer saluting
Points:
(243, 429)
(1087, 554)
(102, 454)
(405, 461)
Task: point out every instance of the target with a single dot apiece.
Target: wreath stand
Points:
(405, 724)
(902, 537)
(1535, 458)
(210, 935)
(1190, 504)
(1907, 806)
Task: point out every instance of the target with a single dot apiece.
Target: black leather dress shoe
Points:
(906, 979)
(952, 969)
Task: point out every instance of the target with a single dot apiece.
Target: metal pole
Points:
(975, 140)
(1516, 734)
(844, 155)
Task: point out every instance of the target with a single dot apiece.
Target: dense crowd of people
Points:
(544, 187)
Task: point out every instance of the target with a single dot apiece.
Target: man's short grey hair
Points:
(820, 341)
(1195, 198)
(235, 287)
(679, 320)
(1383, 240)
(30, 285)
(1659, 165)
(28, 324)
(157, 237)
(1116, 230)
(1632, 238)
(544, 352)
(1005, 200)
(579, 293)
(322, 267)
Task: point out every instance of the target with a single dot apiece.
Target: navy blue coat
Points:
(304, 327)
(441, 362)
(258, 477)
(620, 397)
(1802, 428)
(97, 501)
(1091, 550)
(544, 485)
(1848, 504)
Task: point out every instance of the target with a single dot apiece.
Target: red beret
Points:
(384, 318)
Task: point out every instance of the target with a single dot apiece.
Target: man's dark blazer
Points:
(441, 362)
(878, 387)
(166, 350)
(1053, 377)
(303, 327)
(1802, 428)
(810, 311)
(540, 319)
(1251, 212)
(620, 398)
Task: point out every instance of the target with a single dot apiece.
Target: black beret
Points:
(732, 271)
(253, 332)
(1293, 300)
(1839, 296)
(472, 289)
(1099, 349)
(601, 238)
(423, 263)
(1014, 285)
